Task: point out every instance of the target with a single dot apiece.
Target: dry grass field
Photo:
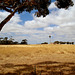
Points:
(43, 59)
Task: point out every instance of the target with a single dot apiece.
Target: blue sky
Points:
(25, 16)
(60, 24)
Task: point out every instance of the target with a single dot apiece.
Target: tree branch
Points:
(8, 18)
(4, 8)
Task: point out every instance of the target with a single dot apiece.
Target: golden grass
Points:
(30, 54)
(47, 57)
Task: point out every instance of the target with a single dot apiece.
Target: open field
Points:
(47, 59)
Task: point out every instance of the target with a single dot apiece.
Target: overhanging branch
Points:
(4, 8)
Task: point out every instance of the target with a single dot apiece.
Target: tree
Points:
(5, 40)
(1, 40)
(45, 43)
(11, 40)
(24, 41)
(19, 6)
(73, 43)
(15, 42)
(68, 43)
(56, 42)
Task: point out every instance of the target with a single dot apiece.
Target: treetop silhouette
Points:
(19, 6)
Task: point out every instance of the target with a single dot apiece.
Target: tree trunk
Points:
(7, 19)
(10, 16)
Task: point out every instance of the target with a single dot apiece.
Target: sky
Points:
(59, 24)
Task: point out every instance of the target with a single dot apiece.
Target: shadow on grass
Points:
(42, 68)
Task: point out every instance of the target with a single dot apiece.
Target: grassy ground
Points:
(43, 59)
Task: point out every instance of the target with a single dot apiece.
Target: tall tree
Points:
(19, 6)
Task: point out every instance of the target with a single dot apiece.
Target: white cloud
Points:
(60, 23)
(12, 25)
(52, 6)
(36, 23)
(3, 15)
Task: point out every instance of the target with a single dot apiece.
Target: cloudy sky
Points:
(60, 24)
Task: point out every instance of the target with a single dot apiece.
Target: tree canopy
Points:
(19, 6)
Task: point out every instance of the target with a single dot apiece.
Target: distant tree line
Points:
(60, 42)
(6, 41)
(45, 43)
